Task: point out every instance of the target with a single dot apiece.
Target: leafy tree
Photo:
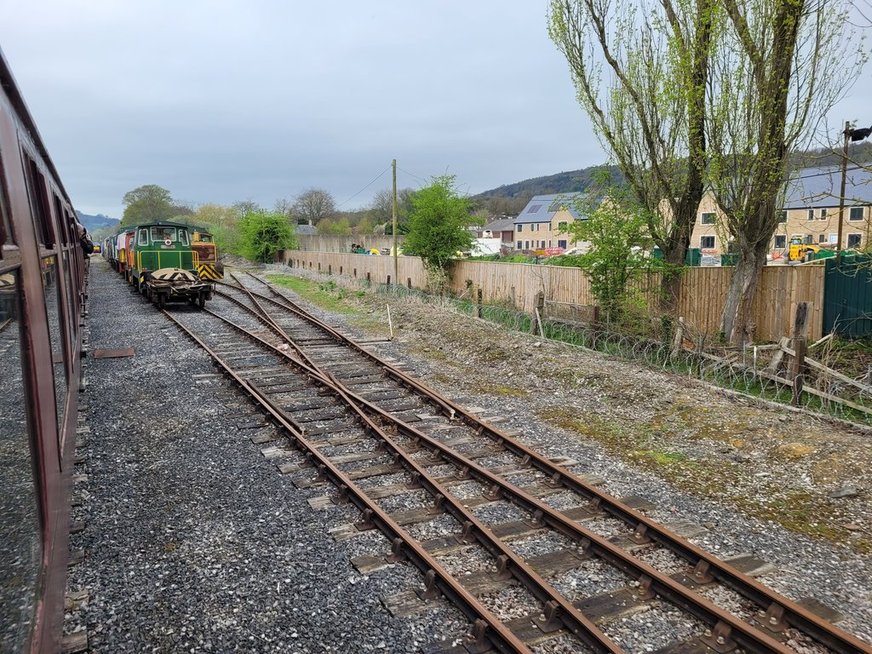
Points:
(334, 226)
(617, 230)
(438, 224)
(382, 211)
(364, 226)
(312, 206)
(149, 203)
(779, 67)
(649, 108)
(264, 234)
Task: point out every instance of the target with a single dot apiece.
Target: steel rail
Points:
(485, 624)
(559, 609)
(727, 631)
(780, 612)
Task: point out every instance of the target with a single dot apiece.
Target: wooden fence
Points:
(703, 290)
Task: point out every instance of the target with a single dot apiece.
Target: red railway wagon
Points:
(42, 292)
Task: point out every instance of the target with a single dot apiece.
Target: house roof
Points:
(819, 187)
(501, 225)
(541, 208)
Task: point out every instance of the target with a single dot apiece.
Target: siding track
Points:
(379, 435)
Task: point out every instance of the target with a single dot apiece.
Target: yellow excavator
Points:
(799, 250)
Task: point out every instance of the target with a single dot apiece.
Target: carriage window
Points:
(54, 308)
(39, 203)
(64, 223)
(183, 236)
(6, 235)
(20, 554)
(162, 234)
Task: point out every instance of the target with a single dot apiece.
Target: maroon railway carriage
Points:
(42, 289)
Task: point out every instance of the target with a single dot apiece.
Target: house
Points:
(503, 229)
(540, 225)
(306, 230)
(810, 209)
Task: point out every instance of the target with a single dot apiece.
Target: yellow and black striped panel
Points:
(210, 271)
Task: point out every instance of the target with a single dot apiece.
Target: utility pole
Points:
(847, 133)
(851, 134)
(394, 216)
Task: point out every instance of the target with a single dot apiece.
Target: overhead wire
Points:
(373, 181)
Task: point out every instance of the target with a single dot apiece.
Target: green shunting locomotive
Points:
(163, 264)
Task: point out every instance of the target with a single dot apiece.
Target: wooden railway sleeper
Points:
(839, 638)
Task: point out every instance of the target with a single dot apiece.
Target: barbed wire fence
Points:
(759, 371)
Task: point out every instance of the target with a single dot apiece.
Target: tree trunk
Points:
(670, 287)
(737, 322)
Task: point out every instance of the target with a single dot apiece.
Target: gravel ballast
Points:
(758, 480)
(193, 541)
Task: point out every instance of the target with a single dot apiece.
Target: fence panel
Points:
(703, 290)
(848, 292)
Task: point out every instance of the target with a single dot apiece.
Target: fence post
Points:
(329, 269)
(537, 314)
(478, 295)
(800, 346)
(678, 338)
(389, 280)
(409, 282)
(368, 279)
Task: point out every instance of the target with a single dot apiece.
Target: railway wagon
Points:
(42, 293)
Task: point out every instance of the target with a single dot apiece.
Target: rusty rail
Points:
(779, 612)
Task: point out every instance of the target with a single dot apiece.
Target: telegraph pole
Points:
(394, 216)
(848, 132)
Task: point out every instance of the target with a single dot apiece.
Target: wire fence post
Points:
(800, 347)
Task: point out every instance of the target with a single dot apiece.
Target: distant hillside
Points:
(572, 181)
(510, 199)
(93, 223)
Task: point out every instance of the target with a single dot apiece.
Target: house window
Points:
(520, 228)
(708, 218)
(854, 240)
(526, 245)
(561, 244)
(809, 239)
(822, 238)
(561, 226)
(534, 209)
(518, 246)
(782, 218)
(811, 214)
(780, 241)
(823, 214)
(707, 242)
(541, 244)
(856, 213)
(535, 227)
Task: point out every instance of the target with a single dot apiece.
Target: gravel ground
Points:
(193, 541)
(758, 479)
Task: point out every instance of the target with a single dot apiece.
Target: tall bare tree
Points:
(312, 205)
(780, 66)
(649, 108)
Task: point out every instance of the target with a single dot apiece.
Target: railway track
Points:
(443, 484)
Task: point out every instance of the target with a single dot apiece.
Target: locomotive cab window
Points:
(183, 236)
(143, 237)
(163, 234)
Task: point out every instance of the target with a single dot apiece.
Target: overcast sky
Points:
(222, 101)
